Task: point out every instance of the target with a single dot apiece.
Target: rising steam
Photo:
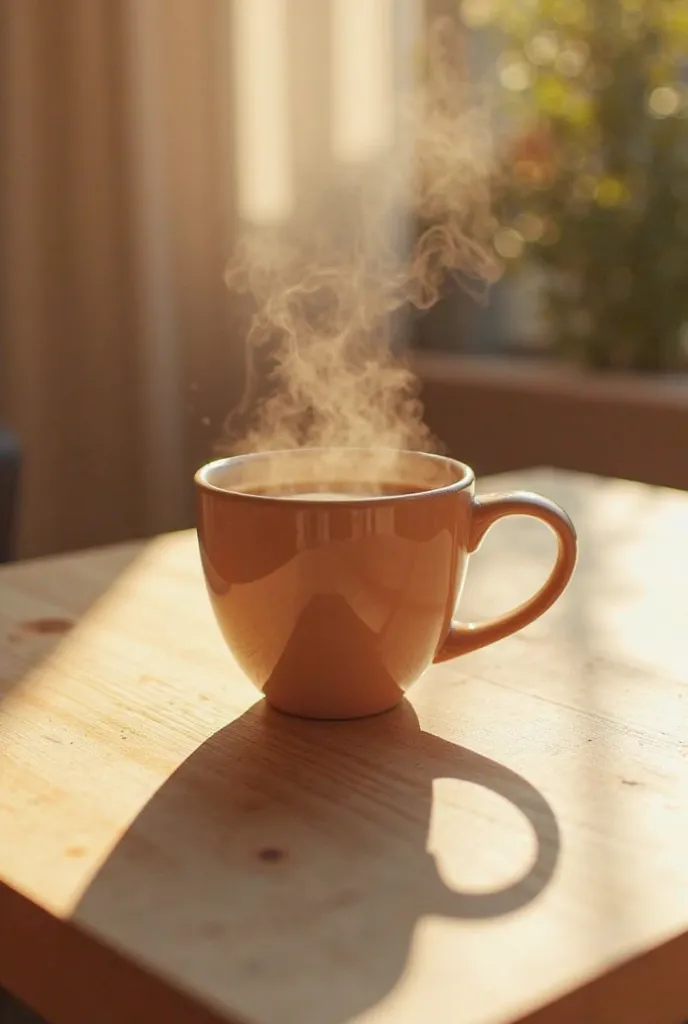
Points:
(325, 289)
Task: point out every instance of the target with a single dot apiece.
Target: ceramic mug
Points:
(334, 573)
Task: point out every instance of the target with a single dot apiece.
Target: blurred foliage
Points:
(594, 181)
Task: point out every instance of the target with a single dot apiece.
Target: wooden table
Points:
(511, 845)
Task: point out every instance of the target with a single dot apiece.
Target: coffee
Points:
(324, 496)
(333, 491)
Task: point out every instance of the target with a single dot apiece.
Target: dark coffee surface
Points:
(331, 490)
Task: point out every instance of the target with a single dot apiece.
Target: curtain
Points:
(135, 136)
(116, 218)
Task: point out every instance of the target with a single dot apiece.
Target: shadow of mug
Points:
(282, 869)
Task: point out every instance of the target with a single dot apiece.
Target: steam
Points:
(326, 288)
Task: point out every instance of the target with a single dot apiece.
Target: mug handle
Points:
(487, 510)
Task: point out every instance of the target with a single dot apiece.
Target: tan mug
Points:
(334, 573)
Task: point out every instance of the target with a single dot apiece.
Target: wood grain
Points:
(508, 846)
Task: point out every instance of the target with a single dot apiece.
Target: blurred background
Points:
(136, 135)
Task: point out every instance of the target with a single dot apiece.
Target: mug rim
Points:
(466, 479)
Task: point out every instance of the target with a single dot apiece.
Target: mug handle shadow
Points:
(487, 510)
(522, 795)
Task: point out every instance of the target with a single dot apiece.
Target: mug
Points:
(334, 574)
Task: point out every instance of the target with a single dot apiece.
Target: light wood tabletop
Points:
(509, 845)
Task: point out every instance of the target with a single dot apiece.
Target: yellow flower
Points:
(664, 101)
(508, 243)
(611, 192)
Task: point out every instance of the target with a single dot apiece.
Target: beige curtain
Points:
(116, 218)
(133, 135)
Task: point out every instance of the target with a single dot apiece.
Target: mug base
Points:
(331, 715)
